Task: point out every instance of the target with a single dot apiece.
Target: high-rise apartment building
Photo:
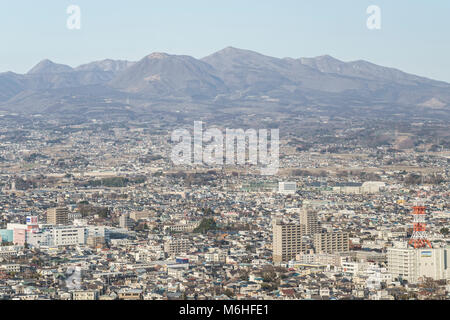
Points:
(125, 221)
(176, 246)
(331, 242)
(287, 241)
(308, 219)
(58, 216)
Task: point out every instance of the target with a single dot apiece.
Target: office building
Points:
(6, 235)
(415, 265)
(58, 236)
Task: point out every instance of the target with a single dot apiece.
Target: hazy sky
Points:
(414, 35)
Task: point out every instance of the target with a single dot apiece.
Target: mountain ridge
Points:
(230, 76)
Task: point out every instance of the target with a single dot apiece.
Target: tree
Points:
(207, 224)
(445, 231)
(229, 293)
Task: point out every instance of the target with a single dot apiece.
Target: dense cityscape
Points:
(97, 210)
(211, 159)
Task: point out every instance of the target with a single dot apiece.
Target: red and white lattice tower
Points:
(419, 237)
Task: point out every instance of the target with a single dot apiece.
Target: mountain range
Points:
(229, 78)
